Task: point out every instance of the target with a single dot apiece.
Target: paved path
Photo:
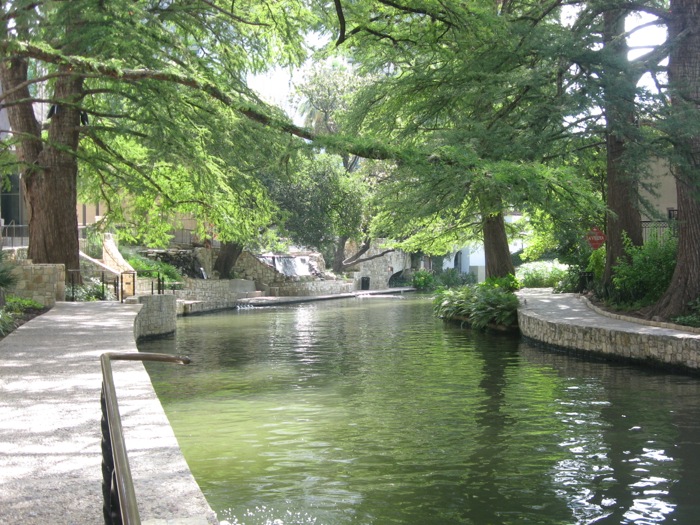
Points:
(50, 457)
(572, 309)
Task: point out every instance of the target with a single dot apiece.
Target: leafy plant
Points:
(92, 289)
(7, 278)
(509, 283)
(492, 302)
(18, 305)
(452, 278)
(596, 263)
(423, 280)
(148, 266)
(494, 305)
(692, 318)
(541, 274)
(640, 278)
(7, 322)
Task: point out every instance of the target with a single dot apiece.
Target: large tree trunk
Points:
(50, 174)
(228, 255)
(339, 255)
(684, 77)
(52, 189)
(622, 185)
(497, 252)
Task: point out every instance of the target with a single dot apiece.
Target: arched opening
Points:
(399, 279)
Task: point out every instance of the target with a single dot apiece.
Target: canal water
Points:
(371, 411)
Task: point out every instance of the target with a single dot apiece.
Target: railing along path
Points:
(120, 506)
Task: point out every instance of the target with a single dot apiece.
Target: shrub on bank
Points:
(423, 280)
(541, 274)
(692, 318)
(491, 303)
(151, 268)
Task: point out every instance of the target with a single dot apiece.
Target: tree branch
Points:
(341, 22)
(352, 261)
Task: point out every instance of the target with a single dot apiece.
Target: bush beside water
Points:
(491, 303)
(425, 280)
(151, 268)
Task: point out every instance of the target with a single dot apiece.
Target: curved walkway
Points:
(50, 456)
(569, 321)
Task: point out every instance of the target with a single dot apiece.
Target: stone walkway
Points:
(50, 456)
(570, 321)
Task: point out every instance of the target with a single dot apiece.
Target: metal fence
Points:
(119, 496)
(657, 229)
(90, 285)
(15, 235)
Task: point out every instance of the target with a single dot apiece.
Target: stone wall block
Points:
(679, 350)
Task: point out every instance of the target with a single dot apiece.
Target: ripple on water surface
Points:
(374, 412)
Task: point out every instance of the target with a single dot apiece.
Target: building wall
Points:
(380, 270)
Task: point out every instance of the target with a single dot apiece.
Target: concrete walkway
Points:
(576, 310)
(570, 321)
(50, 456)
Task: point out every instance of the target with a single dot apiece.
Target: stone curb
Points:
(646, 322)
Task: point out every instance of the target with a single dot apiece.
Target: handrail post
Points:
(120, 507)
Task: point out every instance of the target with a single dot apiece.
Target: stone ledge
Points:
(646, 322)
(616, 339)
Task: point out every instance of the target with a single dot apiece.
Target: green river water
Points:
(371, 411)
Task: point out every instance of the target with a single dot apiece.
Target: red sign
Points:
(595, 238)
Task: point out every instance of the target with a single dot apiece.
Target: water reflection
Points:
(373, 412)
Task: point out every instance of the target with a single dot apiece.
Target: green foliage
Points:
(423, 280)
(583, 276)
(7, 322)
(18, 305)
(319, 201)
(643, 275)
(92, 289)
(509, 283)
(571, 282)
(452, 278)
(541, 274)
(492, 302)
(692, 317)
(152, 268)
(596, 263)
(7, 278)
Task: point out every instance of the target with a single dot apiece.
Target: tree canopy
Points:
(478, 108)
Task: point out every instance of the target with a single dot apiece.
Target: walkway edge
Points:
(647, 322)
(50, 457)
(565, 321)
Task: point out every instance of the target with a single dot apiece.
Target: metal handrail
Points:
(120, 506)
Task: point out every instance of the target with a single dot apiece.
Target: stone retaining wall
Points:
(43, 283)
(381, 269)
(271, 282)
(311, 288)
(643, 342)
(158, 315)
